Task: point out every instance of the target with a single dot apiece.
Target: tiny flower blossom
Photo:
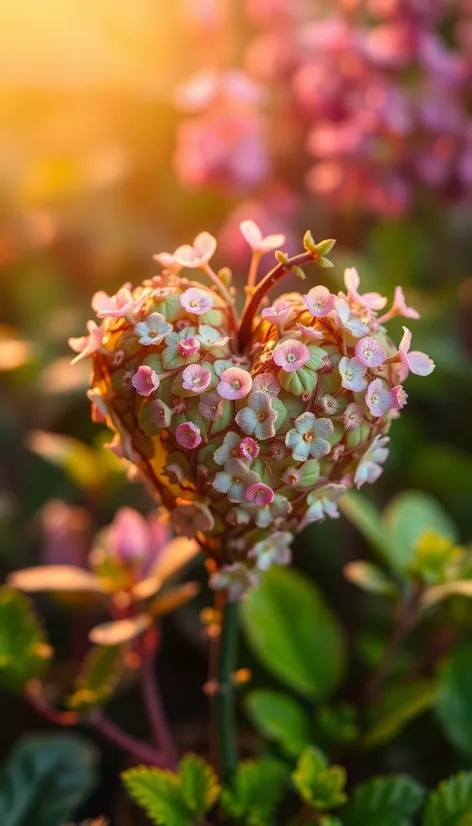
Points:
(378, 398)
(86, 345)
(211, 407)
(279, 313)
(400, 308)
(352, 416)
(249, 449)
(196, 378)
(415, 361)
(188, 435)
(370, 467)
(352, 374)
(153, 330)
(310, 332)
(145, 380)
(323, 502)
(166, 260)
(190, 517)
(319, 301)
(115, 306)
(372, 301)
(291, 355)
(234, 480)
(399, 397)
(258, 417)
(370, 352)
(259, 494)
(160, 413)
(291, 477)
(349, 320)
(308, 437)
(198, 254)
(187, 347)
(235, 383)
(229, 449)
(267, 383)
(210, 338)
(272, 551)
(237, 579)
(196, 301)
(256, 240)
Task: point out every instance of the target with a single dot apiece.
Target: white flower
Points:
(352, 374)
(323, 502)
(369, 468)
(237, 579)
(153, 330)
(256, 240)
(275, 550)
(308, 437)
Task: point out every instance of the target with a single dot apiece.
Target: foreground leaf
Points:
(408, 516)
(454, 707)
(280, 718)
(398, 707)
(24, 653)
(294, 633)
(384, 801)
(451, 803)
(199, 784)
(318, 784)
(98, 677)
(46, 779)
(256, 790)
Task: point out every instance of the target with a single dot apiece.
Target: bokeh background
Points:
(127, 128)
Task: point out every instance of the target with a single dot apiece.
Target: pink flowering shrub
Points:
(247, 429)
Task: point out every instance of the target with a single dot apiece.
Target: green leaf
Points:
(24, 653)
(370, 578)
(384, 801)
(398, 707)
(367, 519)
(454, 707)
(46, 779)
(294, 633)
(337, 724)
(257, 788)
(407, 517)
(159, 793)
(451, 803)
(318, 784)
(279, 717)
(98, 677)
(199, 784)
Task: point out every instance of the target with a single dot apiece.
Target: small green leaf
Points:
(24, 653)
(325, 262)
(318, 784)
(98, 677)
(398, 707)
(366, 518)
(309, 242)
(255, 792)
(199, 784)
(370, 578)
(337, 724)
(294, 633)
(384, 801)
(159, 793)
(282, 257)
(46, 779)
(325, 247)
(279, 717)
(454, 708)
(407, 517)
(451, 803)
(453, 588)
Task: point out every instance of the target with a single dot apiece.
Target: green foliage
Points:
(398, 707)
(451, 803)
(24, 653)
(366, 518)
(407, 517)
(337, 724)
(280, 718)
(98, 677)
(370, 578)
(255, 792)
(46, 779)
(454, 706)
(174, 799)
(384, 801)
(294, 633)
(318, 784)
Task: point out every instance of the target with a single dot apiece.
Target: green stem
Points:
(225, 695)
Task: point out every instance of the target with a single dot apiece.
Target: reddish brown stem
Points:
(135, 748)
(153, 702)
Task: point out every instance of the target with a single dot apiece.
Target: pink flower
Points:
(196, 378)
(369, 352)
(353, 416)
(249, 449)
(198, 254)
(267, 383)
(211, 407)
(319, 301)
(258, 417)
(86, 345)
(256, 240)
(310, 332)
(372, 301)
(291, 355)
(399, 397)
(188, 346)
(188, 435)
(196, 301)
(145, 380)
(259, 494)
(166, 259)
(415, 361)
(115, 306)
(235, 383)
(352, 374)
(378, 398)
(279, 313)
(399, 307)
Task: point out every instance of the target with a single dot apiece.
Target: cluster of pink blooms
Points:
(364, 99)
(248, 429)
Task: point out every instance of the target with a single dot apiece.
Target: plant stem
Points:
(155, 711)
(225, 700)
(134, 747)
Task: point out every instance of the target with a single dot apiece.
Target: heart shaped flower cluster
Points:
(248, 430)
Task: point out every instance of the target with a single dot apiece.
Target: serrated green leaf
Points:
(24, 653)
(370, 578)
(159, 793)
(318, 784)
(384, 801)
(255, 792)
(98, 677)
(280, 718)
(45, 780)
(451, 803)
(199, 784)
(367, 519)
(398, 707)
(454, 707)
(294, 633)
(407, 517)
